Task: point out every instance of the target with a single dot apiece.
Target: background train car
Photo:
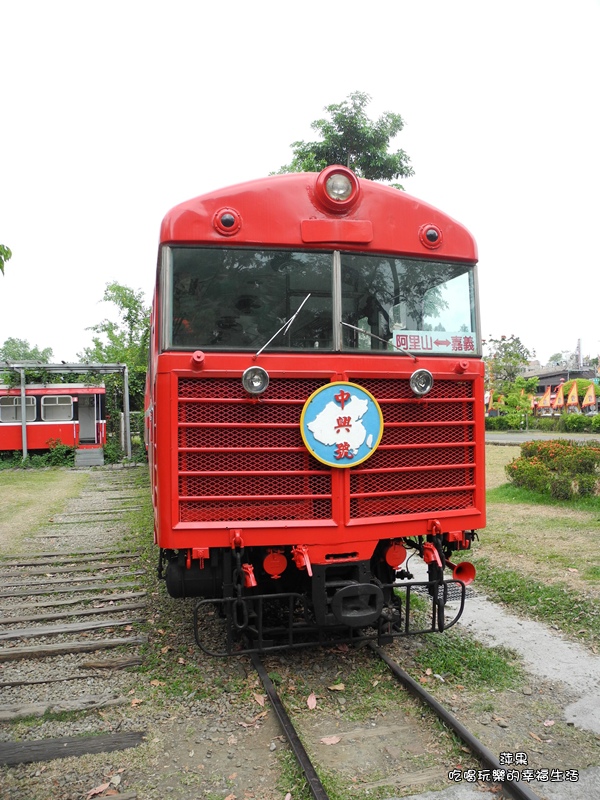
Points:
(314, 397)
(71, 413)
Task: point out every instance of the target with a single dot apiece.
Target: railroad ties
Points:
(71, 605)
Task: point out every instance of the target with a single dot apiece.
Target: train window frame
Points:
(57, 402)
(14, 404)
(320, 301)
(388, 330)
(377, 339)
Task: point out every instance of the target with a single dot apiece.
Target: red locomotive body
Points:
(314, 398)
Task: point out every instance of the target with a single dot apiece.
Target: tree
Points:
(17, 350)
(125, 341)
(505, 361)
(351, 139)
(5, 254)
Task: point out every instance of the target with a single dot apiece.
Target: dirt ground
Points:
(223, 742)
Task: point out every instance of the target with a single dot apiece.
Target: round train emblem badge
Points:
(341, 424)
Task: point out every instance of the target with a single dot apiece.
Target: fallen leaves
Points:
(311, 701)
(337, 687)
(252, 722)
(331, 739)
(98, 790)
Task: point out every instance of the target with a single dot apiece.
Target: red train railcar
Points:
(71, 413)
(314, 401)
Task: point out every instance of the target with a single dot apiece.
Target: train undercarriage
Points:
(261, 609)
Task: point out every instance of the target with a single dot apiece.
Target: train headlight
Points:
(421, 382)
(255, 380)
(338, 186)
(337, 189)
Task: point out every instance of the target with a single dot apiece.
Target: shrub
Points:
(558, 467)
(544, 423)
(561, 487)
(529, 473)
(497, 423)
(575, 423)
(113, 454)
(586, 485)
(59, 455)
(596, 423)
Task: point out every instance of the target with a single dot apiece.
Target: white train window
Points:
(10, 409)
(57, 407)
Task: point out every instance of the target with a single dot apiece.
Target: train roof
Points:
(53, 388)
(291, 210)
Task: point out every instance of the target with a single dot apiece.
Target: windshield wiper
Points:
(373, 336)
(284, 328)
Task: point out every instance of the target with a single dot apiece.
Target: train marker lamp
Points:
(421, 382)
(255, 380)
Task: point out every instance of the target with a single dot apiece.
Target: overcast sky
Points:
(114, 112)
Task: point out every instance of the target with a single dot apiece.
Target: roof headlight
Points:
(421, 382)
(337, 189)
(338, 186)
(255, 380)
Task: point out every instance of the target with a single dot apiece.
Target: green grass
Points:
(508, 493)
(458, 658)
(552, 603)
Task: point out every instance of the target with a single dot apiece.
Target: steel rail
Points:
(516, 790)
(314, 784)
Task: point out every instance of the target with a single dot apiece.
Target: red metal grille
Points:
(244, 460)
(425, 462)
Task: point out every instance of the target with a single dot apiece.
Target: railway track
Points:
(70, 618)
(510, 788)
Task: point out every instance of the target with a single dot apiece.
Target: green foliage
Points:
(561, 487)
(586, 485)
(582, 387)
(348, 137)
(544, 423)
(123, 342)
(596, 423)
(497, 423)
(505, 360)
(557, 467)
(59, 455)
(113, 453)
(20, 350)
(529, 473)
(5, 255)
(575, 423)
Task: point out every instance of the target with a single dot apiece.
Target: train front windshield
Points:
(237, 299)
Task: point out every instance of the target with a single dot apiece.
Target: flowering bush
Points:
(560, 468)
(529, 474)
